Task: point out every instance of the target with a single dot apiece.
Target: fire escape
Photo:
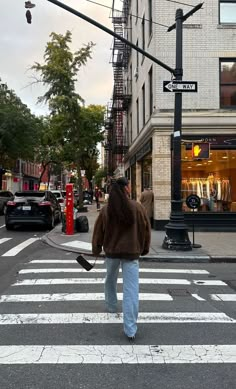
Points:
(116, 144)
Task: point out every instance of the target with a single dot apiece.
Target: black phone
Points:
(84, 263)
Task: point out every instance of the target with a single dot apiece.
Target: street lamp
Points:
(176, 237)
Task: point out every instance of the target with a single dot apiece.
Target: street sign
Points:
(193, 201)
(179, 86)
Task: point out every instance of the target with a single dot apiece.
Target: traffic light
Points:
(200, 150)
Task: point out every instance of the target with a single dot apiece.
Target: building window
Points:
(150, 17)
(150, 82)
(213, 179)
(130, 28)
(137, 115)
(137, 10)
(131, 127)
(228, 83)
(143, 98)
(228, 11)
(143, 34)
(137, 56)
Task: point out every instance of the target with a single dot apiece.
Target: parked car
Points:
(5, 196)
(33, 207)
(60, 198)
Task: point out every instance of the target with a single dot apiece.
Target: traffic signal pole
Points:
(176, 230)
(176, 237)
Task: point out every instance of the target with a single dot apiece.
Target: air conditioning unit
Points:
(136, 73)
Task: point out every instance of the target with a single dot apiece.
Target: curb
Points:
(156, 257)
(159, 257)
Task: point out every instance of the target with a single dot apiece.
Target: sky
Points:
(22, 44)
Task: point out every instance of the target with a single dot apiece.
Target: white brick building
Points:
(209, 57)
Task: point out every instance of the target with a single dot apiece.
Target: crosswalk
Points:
(16, 248)
(49, 292)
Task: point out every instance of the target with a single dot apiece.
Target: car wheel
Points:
(59, 217)
(51, 225)
(9, 226)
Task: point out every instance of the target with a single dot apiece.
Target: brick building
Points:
(209, 57)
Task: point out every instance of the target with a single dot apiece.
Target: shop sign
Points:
(147, 148)
(223, 141)
(193, 201)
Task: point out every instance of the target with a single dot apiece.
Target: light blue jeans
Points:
(130, 305)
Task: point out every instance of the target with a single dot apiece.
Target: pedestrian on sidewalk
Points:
(97, 195)
(122, 229)
(147, 201)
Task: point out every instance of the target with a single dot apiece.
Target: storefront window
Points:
(133, 182)
(147, 172)
(212, 179)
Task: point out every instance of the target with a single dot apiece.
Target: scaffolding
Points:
(116, 144)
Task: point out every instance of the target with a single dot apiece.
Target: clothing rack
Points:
(210, 188)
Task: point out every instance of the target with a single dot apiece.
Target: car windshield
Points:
(30, 194)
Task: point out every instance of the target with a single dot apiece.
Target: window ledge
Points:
(227, 26)
(194, 26)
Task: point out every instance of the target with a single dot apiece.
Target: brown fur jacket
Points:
(127, 242)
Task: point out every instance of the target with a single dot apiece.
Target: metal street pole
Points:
(176, 237)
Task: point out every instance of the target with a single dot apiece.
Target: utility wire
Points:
(178, 2)
(117, 10)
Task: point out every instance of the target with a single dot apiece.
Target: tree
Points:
(74, 128)
(19, 129)
(99, 176)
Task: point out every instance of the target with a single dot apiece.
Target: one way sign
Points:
(179, 86)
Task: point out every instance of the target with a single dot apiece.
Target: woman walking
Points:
(122, 229)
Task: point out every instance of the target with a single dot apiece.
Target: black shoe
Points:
(131, 338)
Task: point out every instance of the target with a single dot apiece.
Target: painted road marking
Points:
(77, 297)
(3, 240)
(61, 281)
(15, 250)
(196, 296)
(60, 261)
(223, 297)
(66, 281)
(114, 318)
(100, 261)
(117, 354)
(79, 244)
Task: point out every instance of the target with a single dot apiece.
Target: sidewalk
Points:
(216, 246)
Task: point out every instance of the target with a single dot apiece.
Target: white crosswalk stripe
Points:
(115, 354)
(16, 248)
(112, 318)
(154, 281)
(3, 240)
(155, 290)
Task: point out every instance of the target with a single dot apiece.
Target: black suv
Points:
(33, 207)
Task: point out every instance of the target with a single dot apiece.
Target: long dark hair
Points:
(119, 208)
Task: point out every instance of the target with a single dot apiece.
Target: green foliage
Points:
(19, 129)
(99, 176)
(72, 129)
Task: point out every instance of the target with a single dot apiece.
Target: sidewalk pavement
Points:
(215, 246)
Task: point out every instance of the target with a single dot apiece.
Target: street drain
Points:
(179, 292)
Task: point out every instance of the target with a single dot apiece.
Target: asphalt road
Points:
(54, 333)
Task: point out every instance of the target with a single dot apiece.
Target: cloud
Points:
(23, 44)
